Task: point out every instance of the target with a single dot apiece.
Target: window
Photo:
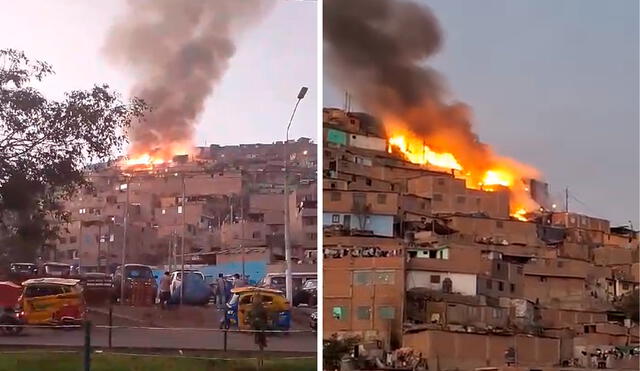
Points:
(364, 313)
(339, 313)
(362, 278)
(461, 199)
(423, 205)
(359, 199)
(513, 288)
(499, 224)
(496, 313)
(437, 197)
(63, 240)
(500, 285)
(256, 234)
(440, 181)
(180, 209)
(35, 291)
(519, 269)
(385, 278)
(368, 181)
(382, 198)
(336, 196)
(625, 286)
(498, 266)
(335, 218)
(543, 279)
(386, 312)
(489, 284)
(164, 211)
(434, 278)
(73, 239)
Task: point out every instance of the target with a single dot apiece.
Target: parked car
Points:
(308, 294)
(134, 274)
(176, 277)
(276, 281)
(53, 269)
(19, 272)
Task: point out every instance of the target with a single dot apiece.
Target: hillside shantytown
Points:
(417, 262)
(231, 219)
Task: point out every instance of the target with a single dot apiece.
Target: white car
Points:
(176, 277)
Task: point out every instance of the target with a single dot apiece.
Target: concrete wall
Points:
(365, 142)
(465, 284)
(344, 286)
(451, 350)
(449, 195)
(511, 230)
(545, 289)
(378, 202)
(380, 225)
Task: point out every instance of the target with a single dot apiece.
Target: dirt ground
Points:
(187, 316)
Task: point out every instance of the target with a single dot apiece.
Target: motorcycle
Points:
(9, 319)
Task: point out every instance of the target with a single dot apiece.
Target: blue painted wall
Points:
(256, 270)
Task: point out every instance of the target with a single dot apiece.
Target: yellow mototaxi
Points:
(52, 301)
(242, 299)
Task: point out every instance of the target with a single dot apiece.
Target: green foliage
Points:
(334, 349)
(46, 145)
(103, 362)
(259, 320)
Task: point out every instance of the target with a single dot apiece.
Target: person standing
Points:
(165, 290)
(221, 291)
(238, 282)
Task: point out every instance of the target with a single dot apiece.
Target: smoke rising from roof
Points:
(376, 49)
(177, 51)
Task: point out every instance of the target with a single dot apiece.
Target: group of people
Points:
(222, 289)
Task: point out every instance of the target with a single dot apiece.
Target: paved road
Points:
(162, 339)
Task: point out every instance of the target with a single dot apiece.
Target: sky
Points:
(553, 84)
(251, 104)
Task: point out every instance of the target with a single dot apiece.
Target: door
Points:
(347, 222)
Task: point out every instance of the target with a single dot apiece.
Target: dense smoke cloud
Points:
(376, 49)
(177, 51)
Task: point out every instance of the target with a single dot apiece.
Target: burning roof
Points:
(376, 49)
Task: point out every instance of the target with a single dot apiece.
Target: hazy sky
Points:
(554, 84)
(253, 102)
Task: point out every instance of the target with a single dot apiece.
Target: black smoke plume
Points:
(177, 51)
(377, 50)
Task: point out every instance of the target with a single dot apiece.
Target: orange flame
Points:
(503, 172)
(148, 159)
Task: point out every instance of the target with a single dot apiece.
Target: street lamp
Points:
(124, 243)
(287, 242)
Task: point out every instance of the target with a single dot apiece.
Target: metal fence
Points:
(89, 337)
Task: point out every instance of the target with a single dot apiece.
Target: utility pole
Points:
(124, 243)
(184, 226)
(242, 232)
(566, 200)
(99, 242)
(287, 242)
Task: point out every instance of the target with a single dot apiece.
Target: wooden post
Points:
(87, 346)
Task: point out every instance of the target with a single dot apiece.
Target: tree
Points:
(46, 145)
